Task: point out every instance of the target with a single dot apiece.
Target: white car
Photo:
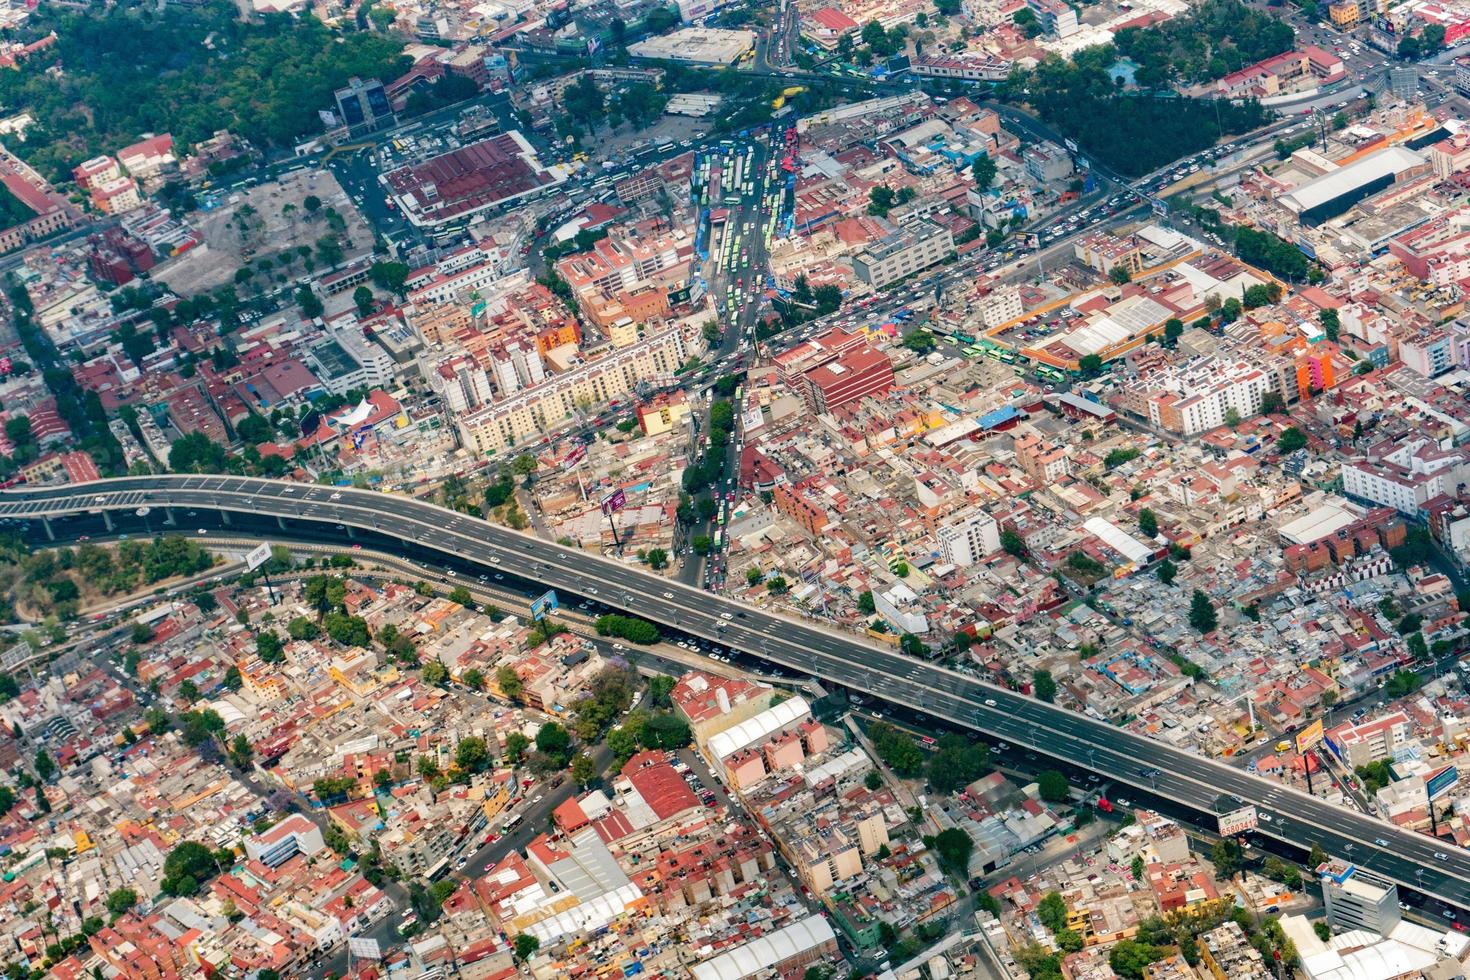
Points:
(990, 702)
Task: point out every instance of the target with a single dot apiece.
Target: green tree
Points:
(471, 754)
(983, 171)
(1119, 274)
(1167, 571)
(553, 740)
(1227, 857)
(311, 307)
(1331, 325)
(434, 673)
(269, 649)
(461, 595)
(1130, 958)
(120, 901)
(1044, 685)
(241, 753)
(1052, 911)
(866, 605)
(1202, 614)
(954, 847)
(474, 679)
(1053, 786)
(508, 681)
(45, 768)
(1148, 523)
(584, 770)
(516, 745)
(880, 200)
(526, 946)
(1291, 440)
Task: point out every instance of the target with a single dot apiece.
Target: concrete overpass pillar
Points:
(50, 534)
(168, 516)
(107, 520)
(281, 522)
(224, 516)
(350, 532)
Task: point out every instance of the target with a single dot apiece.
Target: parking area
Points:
(251, 223)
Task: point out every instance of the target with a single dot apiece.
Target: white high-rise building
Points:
(968, 541)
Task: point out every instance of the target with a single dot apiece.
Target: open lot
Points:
(276, 223)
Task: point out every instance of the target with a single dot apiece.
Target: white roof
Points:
(832, 768)
(1119, 540)
(1382, 959)
(1391, 161)
(767, 723)
(1320, 523)
(587, 917)
(767, 951)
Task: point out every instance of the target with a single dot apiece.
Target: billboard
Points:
(1436, 784)
(574, 456)
(258, 556)
(1309, 737)
(1238, 821)
(543, 604)
(614, 501)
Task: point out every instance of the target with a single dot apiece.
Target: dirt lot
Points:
(279, 223)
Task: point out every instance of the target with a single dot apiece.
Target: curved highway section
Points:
(1437, 870)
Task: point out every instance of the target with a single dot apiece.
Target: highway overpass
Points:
(1437, 870)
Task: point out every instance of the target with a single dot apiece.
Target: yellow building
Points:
(1345, 13)
(665, 412)
(497, 794)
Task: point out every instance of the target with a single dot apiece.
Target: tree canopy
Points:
(132, 70)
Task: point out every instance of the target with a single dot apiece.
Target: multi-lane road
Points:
(1418, 863)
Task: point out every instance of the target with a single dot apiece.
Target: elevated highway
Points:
(1437, 870)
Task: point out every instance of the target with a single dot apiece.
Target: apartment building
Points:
(539, 409)
(1371, 741)
(615, 265)
(1102, 252)
(1437, 251)
(969, 540)
(857, 374)
(1044, 461)
(711, 704)
(347, 360)
(1406, 475)
(292, 836)
(1058, 18)
(1358, 899)
(461, 383)
(1000, 305)
(827, 853)
(1196, 396)
(1427, 352)
(912, 248)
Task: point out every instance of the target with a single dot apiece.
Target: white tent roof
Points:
(768, 722)
(767, 951)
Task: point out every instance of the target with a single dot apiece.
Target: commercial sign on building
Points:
(1309, 737)
(614, 501)
(1436, 784)
(1238, 822)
